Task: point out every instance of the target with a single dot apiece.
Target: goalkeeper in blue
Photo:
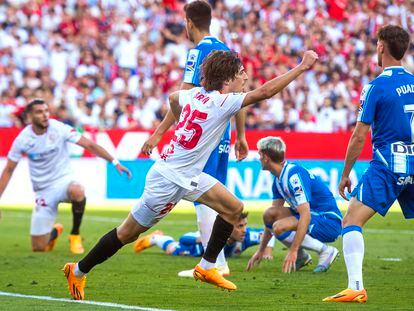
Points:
(312, 218)
(190, 244)
(387, 107)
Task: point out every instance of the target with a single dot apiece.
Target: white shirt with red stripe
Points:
(48, 154)
(203, 120)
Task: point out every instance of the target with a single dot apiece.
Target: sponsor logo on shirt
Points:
(361, 106)
(296, 185)
(224, 148)
(401, 148)
(34, 156)
(402, 181)
(191, 61)
(298, 190)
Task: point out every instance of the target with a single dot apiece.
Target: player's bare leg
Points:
(353, 247)
(46, 242)
(229, 209)
(107, 246)
(76, 194)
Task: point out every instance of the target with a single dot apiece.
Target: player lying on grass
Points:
(387, 104)
(190, 244)
(44, 142)
(312, 218)
(203, 114)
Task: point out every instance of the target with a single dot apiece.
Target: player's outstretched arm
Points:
(6, 175)
(274, 86)
(258, 256)
(356, 143)
(289, 264)
(102, 153)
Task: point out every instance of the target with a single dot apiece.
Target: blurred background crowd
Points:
(112, 63)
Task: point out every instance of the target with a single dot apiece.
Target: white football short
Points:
(46, 204)
(161, 195)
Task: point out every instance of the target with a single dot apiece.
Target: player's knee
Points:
(233, 213)
(279, 227)
(76, 192)
(270, 215)
(239, 208)
(125, 235)
(350, 220)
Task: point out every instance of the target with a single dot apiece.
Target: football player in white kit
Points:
(44, 142)
(203, 114)
(198, 20)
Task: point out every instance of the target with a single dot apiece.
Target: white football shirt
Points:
(48, 153)
(203, 120)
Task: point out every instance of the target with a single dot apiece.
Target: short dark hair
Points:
(36, 101)
(396, 39)
(199, 12)
(218, 67)
(243, 215)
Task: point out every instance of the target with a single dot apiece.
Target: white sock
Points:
(307, 243)
(353, 248)
(313, 244)
(221, 259)
(205, 220)
(77, 271)
(206, 265)
(160, 240)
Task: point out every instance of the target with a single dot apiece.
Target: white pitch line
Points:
(103, 219)
(382, 231)
(86, 302)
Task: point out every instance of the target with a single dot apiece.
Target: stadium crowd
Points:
(111, 64)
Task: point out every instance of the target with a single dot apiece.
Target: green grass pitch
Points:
(150, 278)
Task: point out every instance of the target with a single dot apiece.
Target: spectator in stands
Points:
(91, 57)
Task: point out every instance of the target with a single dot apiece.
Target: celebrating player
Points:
(44, 141)
(198, 19)
(190, 244)
(387, 105)
(203, 114)
(312, 218)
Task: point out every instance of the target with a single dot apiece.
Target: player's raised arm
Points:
(102, 153)
(274, 86)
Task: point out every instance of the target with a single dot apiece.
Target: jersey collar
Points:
(283, 170)
(393, 67)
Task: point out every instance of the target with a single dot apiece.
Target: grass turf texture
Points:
(150, 278)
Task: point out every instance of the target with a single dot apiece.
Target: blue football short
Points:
(325, 227)
(379, 187)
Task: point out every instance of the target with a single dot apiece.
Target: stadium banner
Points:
(126, 145)
(245, 179)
